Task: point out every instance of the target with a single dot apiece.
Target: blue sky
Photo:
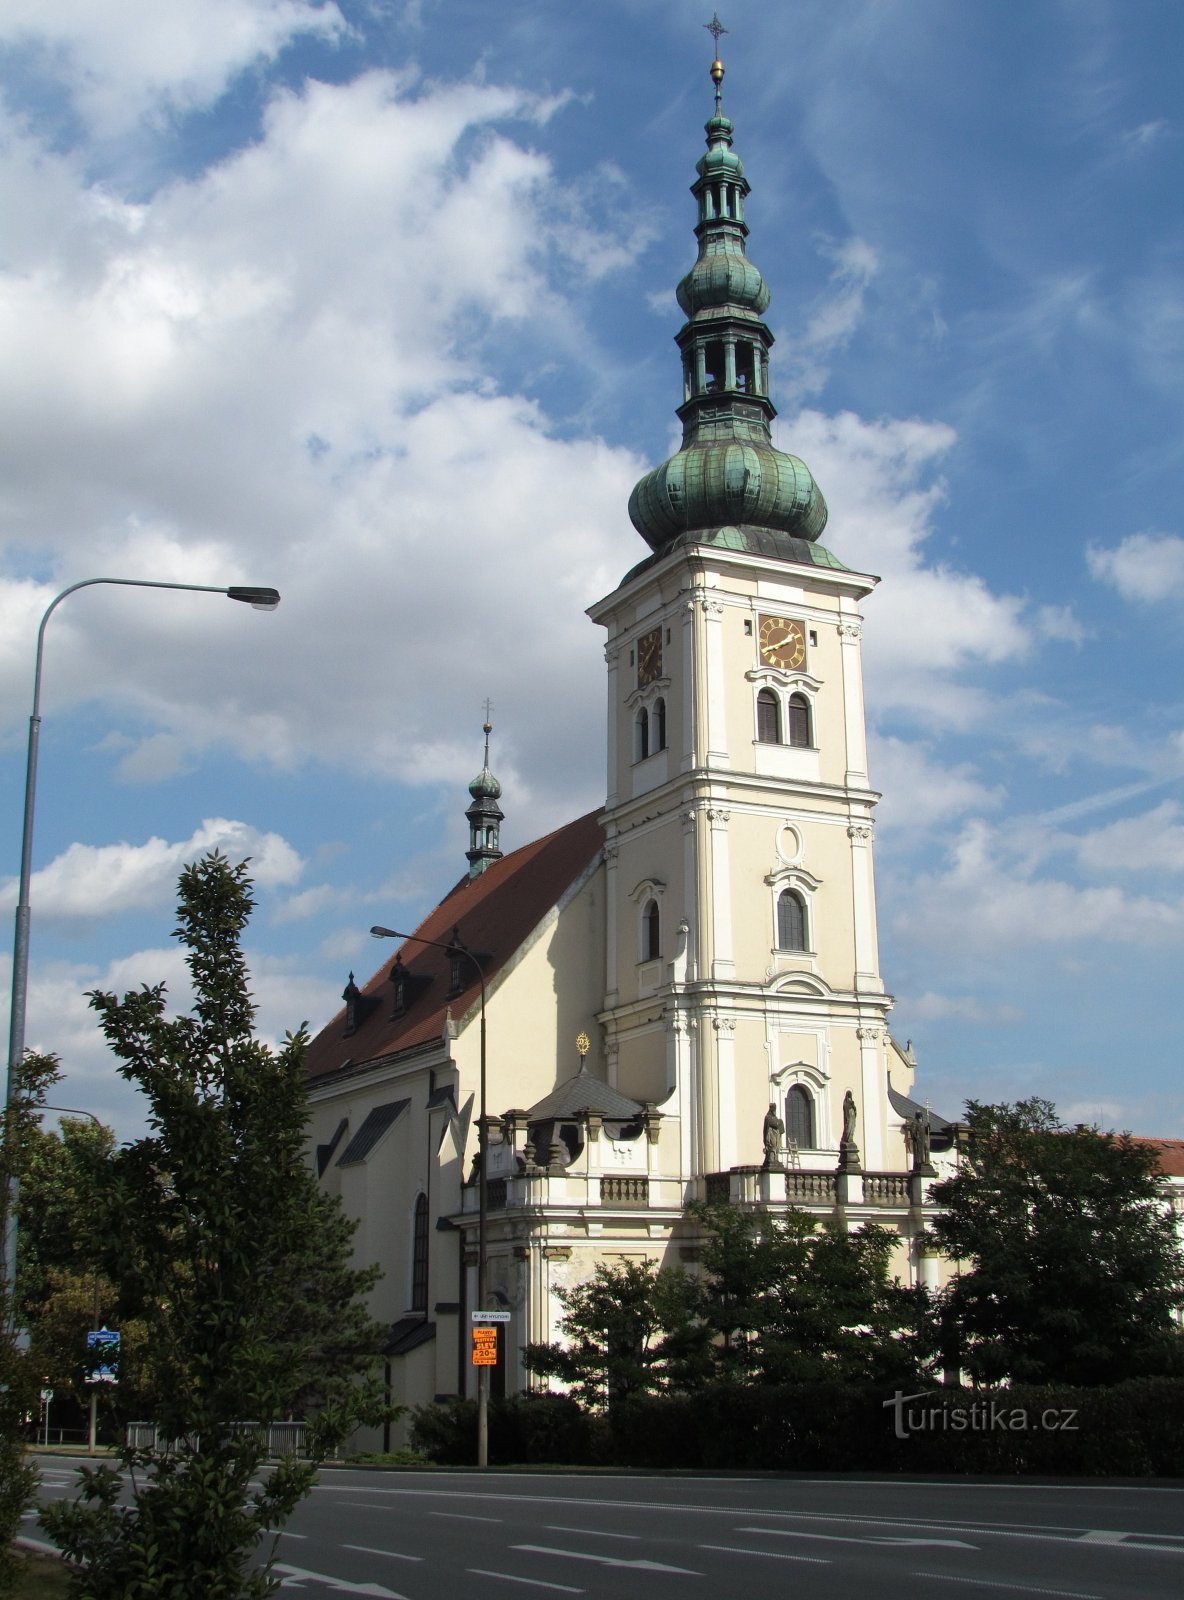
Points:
(374, 302)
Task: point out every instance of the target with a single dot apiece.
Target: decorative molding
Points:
(717, 816)
(871, 1035)
(861, 831)
(724, 1024)
(850, 630)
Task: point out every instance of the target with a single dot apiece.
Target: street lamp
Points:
(261, 600)
(458, 949)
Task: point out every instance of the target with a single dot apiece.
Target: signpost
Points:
(102, 1366)
(485, 1326)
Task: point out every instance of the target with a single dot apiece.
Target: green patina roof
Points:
(728, 484)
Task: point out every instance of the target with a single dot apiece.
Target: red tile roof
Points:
(495, 913)
(1171, 1154)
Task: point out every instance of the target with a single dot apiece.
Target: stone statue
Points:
(921, 1133)
(771, 1136)
(850, 1117)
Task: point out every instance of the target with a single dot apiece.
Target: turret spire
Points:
(484, 814)
(727, 484)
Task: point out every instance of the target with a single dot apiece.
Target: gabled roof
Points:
(496, 912)
(1171, 1154)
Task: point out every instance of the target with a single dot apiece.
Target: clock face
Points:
(782, 642)
(649, 657)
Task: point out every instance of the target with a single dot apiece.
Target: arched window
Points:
(791, 921)
(659, 725)
(799, 1117)
(419, 1256)
(799, 720)
(651, 932)
(641, 735)
(768, 718)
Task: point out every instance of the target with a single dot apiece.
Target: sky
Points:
(373, 302)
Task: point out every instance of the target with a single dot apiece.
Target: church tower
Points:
(742, 969)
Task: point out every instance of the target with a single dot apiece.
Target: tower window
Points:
(419, 1256)
(651, 932)
(745, 373)
(659, 725)
(799, 1117)
(799, 720)
(641, 735)
(768, 718)
(791, 921)
(713, 377)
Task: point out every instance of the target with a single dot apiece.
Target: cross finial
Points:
(488, 708)
(715, 27)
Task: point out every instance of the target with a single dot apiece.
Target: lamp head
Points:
(259, 599)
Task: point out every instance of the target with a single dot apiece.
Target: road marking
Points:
(605, 1561)
(559, 1527)
(463, 1516)
(369, 1550)
(297, 1577)
(1012, 1588)
(284, 1534)
(768, 1555)
(535, 1583)
(840, 1538)
(1103, 1536)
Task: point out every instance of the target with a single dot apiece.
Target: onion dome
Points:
(728, 484)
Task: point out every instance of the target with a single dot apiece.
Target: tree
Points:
(18, 1385)
(239, 1267)
(790, 1301)
(629, 1329)
(1070, 1265)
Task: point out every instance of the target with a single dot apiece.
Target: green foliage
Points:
(1071, 1266)
(524, 1429)
(630, 1328)
(238, 1267)
(788, 1301)
(18, 1379)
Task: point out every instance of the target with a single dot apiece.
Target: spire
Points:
(727, 484)
(484, 814)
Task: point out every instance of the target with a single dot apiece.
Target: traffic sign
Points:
(491, 1316)
(47, 1395)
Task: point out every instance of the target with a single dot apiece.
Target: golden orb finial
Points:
(583, 1044)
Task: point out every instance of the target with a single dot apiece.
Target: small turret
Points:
(485, 816)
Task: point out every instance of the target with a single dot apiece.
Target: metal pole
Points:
(261, 600)
(456, 948)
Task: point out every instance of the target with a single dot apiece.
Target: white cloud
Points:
(126, 59)
(102, 880)
(919, 791)
(931, 1007)
(1153, 842)
(991, 897)
(1143, 567)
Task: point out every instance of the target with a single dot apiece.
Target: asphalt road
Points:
(464, 1536)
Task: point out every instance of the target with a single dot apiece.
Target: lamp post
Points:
(261, 600)
(458, 949)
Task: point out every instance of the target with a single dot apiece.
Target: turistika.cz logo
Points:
(981, 1416)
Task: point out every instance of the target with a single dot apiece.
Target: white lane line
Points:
(595, 1533)
(284, 1534)
(369, 1550)
(1012, 1588)
(604, 1561)
(463, 1516)
(840, 1538)
(296, 1577)
(535, 1583)
(768, 1555)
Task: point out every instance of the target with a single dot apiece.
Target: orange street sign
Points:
(485, 1347)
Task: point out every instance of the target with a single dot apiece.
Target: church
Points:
(677, 996)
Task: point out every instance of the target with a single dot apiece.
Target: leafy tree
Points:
(1071, 1268)
(792, 1302)
(18, 1384)
(239, 1267)
(629, 1329)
